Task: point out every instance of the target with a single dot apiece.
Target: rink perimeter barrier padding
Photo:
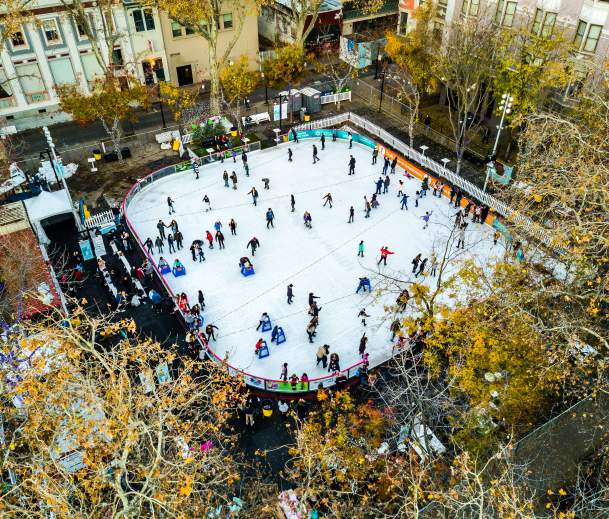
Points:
(314, 130)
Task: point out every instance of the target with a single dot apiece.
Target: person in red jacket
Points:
(384, 253)
(210, 239)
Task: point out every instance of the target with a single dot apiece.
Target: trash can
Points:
(233, 131)
(97, 154)
(267, 409)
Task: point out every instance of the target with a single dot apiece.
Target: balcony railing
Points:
(37, 97)
(7, 102)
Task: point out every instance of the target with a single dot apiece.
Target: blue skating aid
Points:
(263, 351)
(165, 268)
(280, 336)
(177, 272)
(266, 324)
(247, 271)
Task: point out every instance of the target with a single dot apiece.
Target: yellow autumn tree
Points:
(178, 100)
(100, 422)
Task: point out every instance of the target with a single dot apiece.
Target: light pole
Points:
(59, 165)
(376, 70)
(266, 89)
(383, 74)
(445, 161)
(506, 107)
(424, 149)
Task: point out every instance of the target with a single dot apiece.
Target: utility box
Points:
(293, 98)
(311, 100)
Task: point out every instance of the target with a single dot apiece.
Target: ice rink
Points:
(322, 260)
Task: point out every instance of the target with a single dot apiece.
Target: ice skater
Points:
(179, 238)
(220, 239)
(421, 270)
(352, 165)
(385, 165)
(350, 140)
(170, 242)
(362, 314)
(159, 244)
(386, 184)
(225, 178)
(207, 203)
(328, 200)
(246, 167)
(292, 203)
(426, 218)
(379, 186)
(404, 205)
(322, 355)
(323, 142)
(461, 236)
(400, 188)
(233, 178)
(367, 207)
(375, 154)
(290, 293)
(315, 157)
(200, 252)
(311, 327)
(217, 225)
(384, 253)
(253, 244)
(270, 216)
(363, 284)
(254, 193)
(394, 163)
(209, 331)
(170, 203)
(195, 167)
(161, 227)
(417, 197)
(262, 320)
(210, 239)
(351, 214)
(266, 182)
(232, 225)
(374, 201)
(433, 265)
(284, 372)
(306, 218)
(362, 345)
(415, 262)
(425, 185)
(290, 154)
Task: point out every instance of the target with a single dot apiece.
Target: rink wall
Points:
(253, 381)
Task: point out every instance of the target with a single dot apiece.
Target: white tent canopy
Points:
(46, 205)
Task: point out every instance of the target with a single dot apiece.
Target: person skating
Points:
(174, 226)
(404, 204)
(415, 262)
(178, 237)
(422, 266)
(307, 219)
(362, 314)
(217, 225)
(193, 251)
(461, 236)
(161, 227)
(254, 244)
(351, 214)
(201, 299)
(395, 327)
(334, 366)
(417, 197)
(170, 242)
(210, 239)
(394, 163)
(433, 265)
(315, 157)
(207, 203)
(290, 154)
(360, 249)
(220, 239)
(328, 200)
(374, 203)
(375, 154)
(266, 182)
(385, 165)
(311, 330)
(384, 253)
(200, 252)
(352, 165)
(350, 140)
(496, 236)
(195, 167)
(233, 177)
(232, 225)
(246, 168)
(363, 284)
(402, 299)
(159, 244)
(386, 184)
(209, 331)
(312, 298)
(225, 178)
(290, 293)
(270, 216)
(149, 244)
(333, 135)
(362, 345)
(284, 372)
(323, 142)
(170, 203)
(322, 355)
(294, 135)
(458, 197)
(426, 218)
(244, 158)
(367, 208)
(379, 186)
(424, 185)
(254, 193)
(262, 320)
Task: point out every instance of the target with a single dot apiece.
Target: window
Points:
(227, 19)
(62, 71)
(51, 32)
(505, 13)
(80, 29)
(543, 25)
(143, 20)
(403, 23)
(470, 7)
(587, 36)
(176, 29)
(18, 40)
(190, 30)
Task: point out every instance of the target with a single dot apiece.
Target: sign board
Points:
(284, 111)
(98, 244)
(86, 250)
(73, 462)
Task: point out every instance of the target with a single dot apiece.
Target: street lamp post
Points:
(266, 89)
(376, 70)
(506, 107)
(161, 106)
(59, 165)
(383, 74)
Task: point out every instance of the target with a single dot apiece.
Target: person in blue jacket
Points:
(270, 216)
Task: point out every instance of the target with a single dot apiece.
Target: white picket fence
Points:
(531, 228)
(335, 98)
(103, 219)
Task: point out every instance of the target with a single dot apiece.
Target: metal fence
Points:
(531, 228)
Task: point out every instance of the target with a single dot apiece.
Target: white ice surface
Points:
(322, 260)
